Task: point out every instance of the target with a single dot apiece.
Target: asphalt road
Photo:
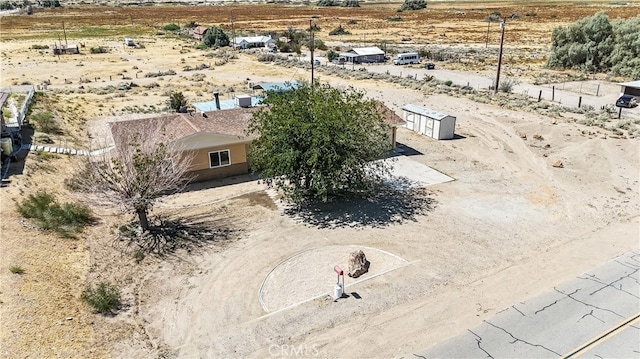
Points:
(596, 315)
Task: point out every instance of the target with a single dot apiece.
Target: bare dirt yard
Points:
(443, 257)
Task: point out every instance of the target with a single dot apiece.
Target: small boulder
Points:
(358, 264)
(558, 164)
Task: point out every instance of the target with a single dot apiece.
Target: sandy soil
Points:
(509, 227)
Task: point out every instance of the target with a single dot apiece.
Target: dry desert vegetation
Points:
(443, 258)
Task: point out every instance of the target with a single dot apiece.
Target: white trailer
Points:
(407, 58)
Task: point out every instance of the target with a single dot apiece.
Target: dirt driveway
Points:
(508, 226)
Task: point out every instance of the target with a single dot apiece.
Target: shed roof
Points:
(634, 84)
(425, 112)
(363, 51)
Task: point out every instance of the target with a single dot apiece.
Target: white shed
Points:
(429, 122)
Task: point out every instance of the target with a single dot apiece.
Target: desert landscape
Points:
(540, 192)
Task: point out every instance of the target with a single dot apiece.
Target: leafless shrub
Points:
(143, 166)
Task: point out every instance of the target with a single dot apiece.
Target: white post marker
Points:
(339, 288)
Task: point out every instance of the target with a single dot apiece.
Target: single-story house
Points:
(248, 42)
(198, 32)
(217, 139)
(429, 122)
(630, 88)
(364, 55)
(64, 49)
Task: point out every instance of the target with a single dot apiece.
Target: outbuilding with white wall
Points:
(429, 122)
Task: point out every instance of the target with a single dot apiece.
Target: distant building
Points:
(248, 42)
(198, 32)
(360, 55)
(630, 88)
(129, 41)
(64, 49)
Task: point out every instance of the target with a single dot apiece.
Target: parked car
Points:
(316, 62)
(627, 101)
(429, 66)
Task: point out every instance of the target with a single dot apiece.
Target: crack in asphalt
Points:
(479, 340)
(587, 304)
(419, 356)
(517, 310)
(515, 340)
(589, 314)
(605, 285)
(545, 307)
(630, 266)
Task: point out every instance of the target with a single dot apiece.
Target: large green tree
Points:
(215, 38)
(317, 142)
(596, 44)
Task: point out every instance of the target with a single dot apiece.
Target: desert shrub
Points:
(351, 3)
(198, 77)
(104, 298)
(339, 31)
(160, 73)
(352, 22)
(44, 121)
(99, 50)
(327, 3)
(49, 3)
(394, 18)
(64, 219)
(266, 57)
(39, 47)
(191, 25)
(507, 85)
(332, 55)
(171, 27)
(215, 38)
(319, 44)
(16, 269)
(409, 5)
(448, 83)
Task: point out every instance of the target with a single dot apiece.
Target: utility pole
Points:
(233, 32)
(65, 34)
(486, 45)
(495, 88)
(311, 46)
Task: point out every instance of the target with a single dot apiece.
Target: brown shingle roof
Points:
(232, 122)
(390, 117)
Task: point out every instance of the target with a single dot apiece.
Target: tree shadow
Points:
(393, 203)
(166, 236)
(406, 150)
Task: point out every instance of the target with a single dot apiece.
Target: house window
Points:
(219, 159)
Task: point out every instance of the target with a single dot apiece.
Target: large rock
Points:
(358, 264)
